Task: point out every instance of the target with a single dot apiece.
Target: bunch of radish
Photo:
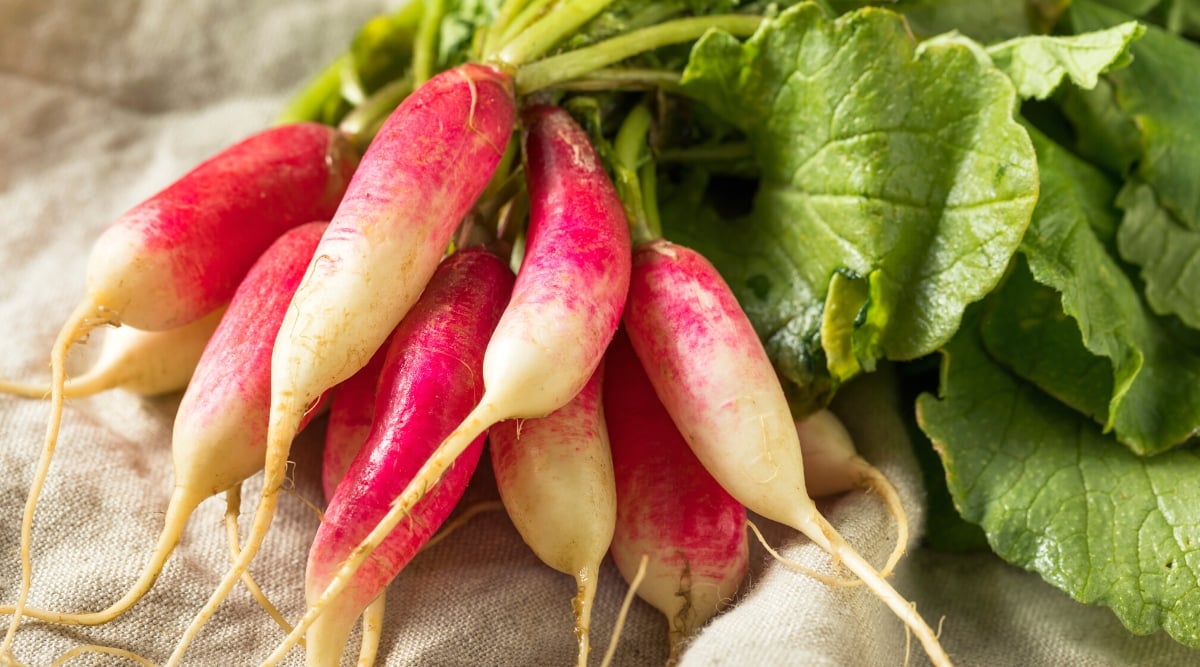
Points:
(429, 347)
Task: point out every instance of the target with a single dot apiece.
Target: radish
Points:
(832, 465)
(555, 477)
(712, 374)
(180, 254)
(431, 378)
(566, 304)
(148, 363)
(222, 418)
(430, 161)
(669, 507)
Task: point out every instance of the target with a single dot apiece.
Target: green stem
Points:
(504, 16)
(426, 42)
(532, 12)
(537, 39)
(312, 102)
(616, 78)
(573, 64)
(648, 177)
(363, 123)
(628, 148)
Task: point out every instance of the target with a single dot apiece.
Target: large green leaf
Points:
(898, 167)
(1056, 496)
(1112, 358)
(1160, 92)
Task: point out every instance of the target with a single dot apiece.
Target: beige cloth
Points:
(106, 102)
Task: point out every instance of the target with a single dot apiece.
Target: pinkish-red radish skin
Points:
(539, 357)
(416, 182)
(555, 478)
(420, 176)
(221, 423)
(571, 286)
(668, 506)
(181, 253)
(714, 378)
(431, 379)
(710, 370)
(554, 475)
(351, 413)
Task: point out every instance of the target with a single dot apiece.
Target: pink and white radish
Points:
(431, 378)
(221, 422)
(566, 304)
(669, 508)
(712, 374)
(148, 363)
(420, 176)
(351, 411)
(180, 254)
(555, 477)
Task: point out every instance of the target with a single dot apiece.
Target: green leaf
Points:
(1167, 249)
(878, 158)
(1160, 92)
(983, 20)
(1058, 497)
(1037, 64)
(1091, 341)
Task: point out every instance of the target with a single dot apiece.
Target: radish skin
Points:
(147, 363)
(420, 176)
(555, 478)
(566, 304)
(431, 378)
(221, 422)
(709, 369)
(669, 508)
(351, 413)
(181, 253)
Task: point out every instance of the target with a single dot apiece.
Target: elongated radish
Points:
(180, 254)
(709, 369)
(555, 477)
(351, 411)
(669, 507)
(566, 304)
(431, 378)
(148, 363)
(430, 161)
(221, 422)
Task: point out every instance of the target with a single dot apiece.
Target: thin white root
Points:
(461, 520)
(372, 631)
(877, 482)
(826, 536)
(624, 613)
(96, 648)
(823, 578)
(274, 467)
(82, 320)
(24, 389)
(233, 508)
(586, 581)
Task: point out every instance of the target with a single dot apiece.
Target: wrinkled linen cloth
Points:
(104, 103)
